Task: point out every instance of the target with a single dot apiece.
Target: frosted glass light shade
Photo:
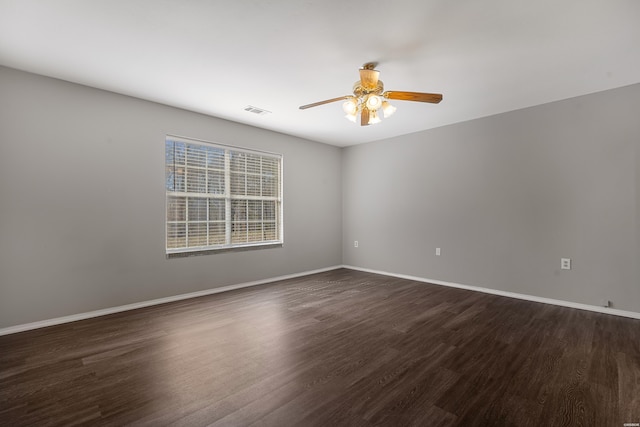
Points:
(350, 106)
(373, 118)
(388, 109)
(373, 102)
(351, 117)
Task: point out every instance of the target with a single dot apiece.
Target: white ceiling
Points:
(218, 56)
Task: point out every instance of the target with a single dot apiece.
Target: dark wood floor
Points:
(337, 348)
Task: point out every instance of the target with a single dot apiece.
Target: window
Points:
(221, 197)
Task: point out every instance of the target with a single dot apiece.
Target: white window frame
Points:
(180, 215)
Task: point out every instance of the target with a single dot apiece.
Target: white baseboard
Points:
(111, 310)
(551, 301)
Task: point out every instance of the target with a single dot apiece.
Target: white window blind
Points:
(220, 197)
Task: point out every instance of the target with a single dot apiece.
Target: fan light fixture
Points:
(353, 108)
(369, 98)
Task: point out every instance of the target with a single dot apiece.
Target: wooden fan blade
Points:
(315, 104)
(369, 78)
(433, 98)
(364, 117)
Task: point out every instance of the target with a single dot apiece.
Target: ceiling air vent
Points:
(256, 110)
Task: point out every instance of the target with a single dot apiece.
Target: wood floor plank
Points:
(340, 348)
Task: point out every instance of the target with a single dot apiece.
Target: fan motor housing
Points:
(360, 91)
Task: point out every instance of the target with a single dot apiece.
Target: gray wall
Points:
(506, 197)
(82, 201)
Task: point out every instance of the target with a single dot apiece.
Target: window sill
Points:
(199, 252)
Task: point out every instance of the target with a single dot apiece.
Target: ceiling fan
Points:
(369, 97)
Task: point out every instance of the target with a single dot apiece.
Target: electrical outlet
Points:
(437, 251)
(355, 243)
(565, 263)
